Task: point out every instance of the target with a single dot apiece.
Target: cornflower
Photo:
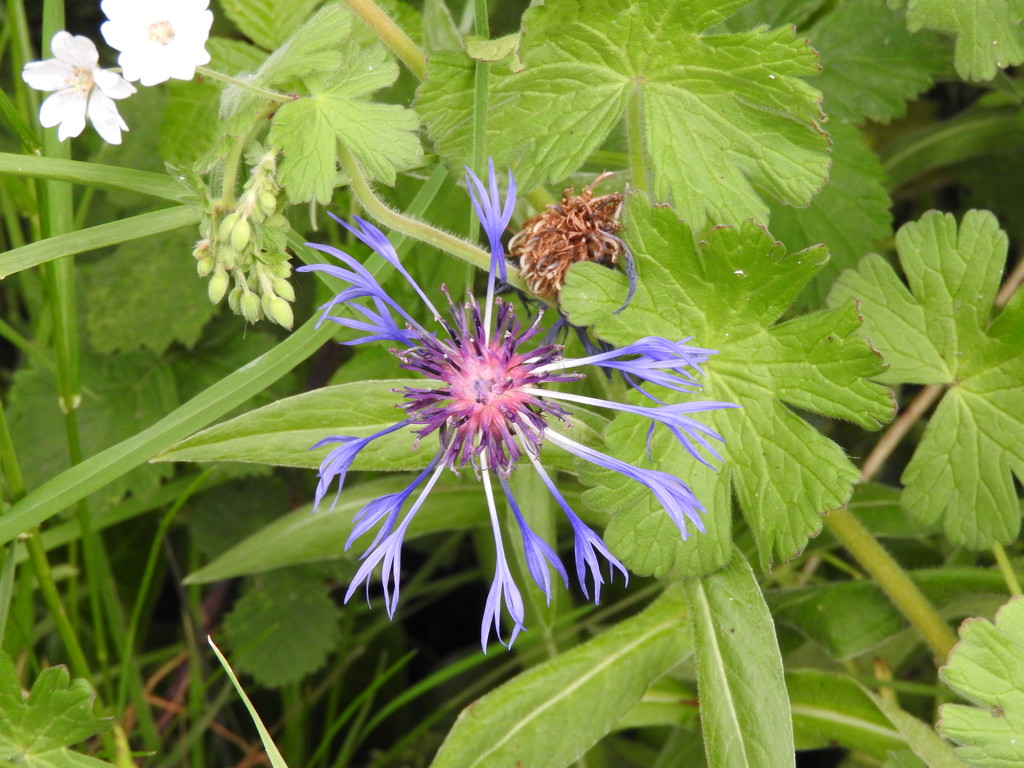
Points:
(486, 400)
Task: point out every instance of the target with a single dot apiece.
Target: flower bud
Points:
(280, 311)
(227, 256)
(226, 225)
(267, 201)
(218, 285)
(202, 248)
(251, 307)
(205, 265)
(281, 268)
(240, 235)
(235, 300)
(283, 289)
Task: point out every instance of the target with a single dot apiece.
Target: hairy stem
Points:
(414, 228)
(391, 35)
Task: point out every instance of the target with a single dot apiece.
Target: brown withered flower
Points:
(582, 228)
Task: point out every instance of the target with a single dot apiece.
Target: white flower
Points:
(82, 89)
(158, 39)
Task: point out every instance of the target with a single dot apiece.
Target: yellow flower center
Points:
(82, 80)
(161, 32)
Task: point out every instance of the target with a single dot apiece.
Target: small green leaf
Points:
(381, 136)
(744, 706)
(832, 710)
(37, 732)
(268, 23)
(313, 48)
(549, 716)
(727, 292)
(987, 668)
(939, 331)
(989, 35)
(145, 297)
(283, 628)
(726, 117)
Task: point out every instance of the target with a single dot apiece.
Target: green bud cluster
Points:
(242, 250)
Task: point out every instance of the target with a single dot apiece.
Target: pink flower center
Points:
(161, 32)
(485, 389)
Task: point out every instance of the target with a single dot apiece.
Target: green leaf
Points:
(94, 175)
(36, 732)
(920, 736)
(283, 628)
(303, 536)
(832, 710)
(99, 236)
(726, 292)
(988, 33)
(439, 28)
(268, 23)
(744, 706)
(855, 192)
(381, 136)
(548, 716)
(725, 116)
(987, 668)
(939, 331)
(283, 432)
(313, 48)
(141, 297)
(871, 64)
(276, 760)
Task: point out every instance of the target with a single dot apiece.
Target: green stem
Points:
(391, 35)
(48, 589)
(480, 80)
(414, 228)
(1006, 568)
(893, 580)
(263, 93)
(635, 139)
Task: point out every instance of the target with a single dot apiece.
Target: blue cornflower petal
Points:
(671, 492)
(587, 544)
(336, 464)
(388, 553)
(494, 218)
(538, 553)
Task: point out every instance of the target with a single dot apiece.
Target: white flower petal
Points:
(49, 75)
(112, 84)
(105, 118)
(76, 50)
(62, 107)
